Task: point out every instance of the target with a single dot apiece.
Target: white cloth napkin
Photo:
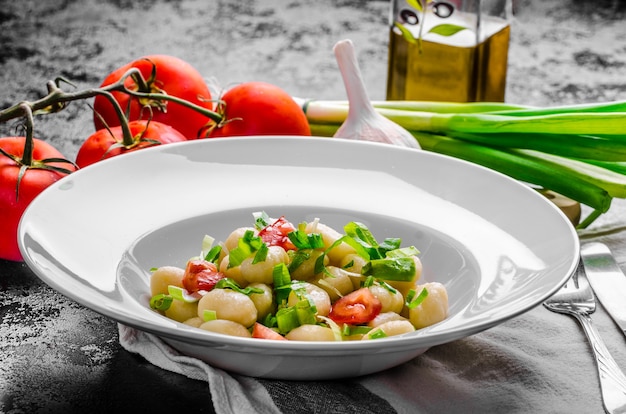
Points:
(538, 362)
(230, 394)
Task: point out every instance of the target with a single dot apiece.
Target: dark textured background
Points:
(562, 52)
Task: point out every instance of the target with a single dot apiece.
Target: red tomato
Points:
(258, 108)
(201, 275)
(360, 306)
(34, 181)
(275, 234)
(261, 331)
(175, 77)
(101, 144)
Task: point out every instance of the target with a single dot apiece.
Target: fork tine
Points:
(575, 290)
(582, 283)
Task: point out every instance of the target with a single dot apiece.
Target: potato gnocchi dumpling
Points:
(305, 282)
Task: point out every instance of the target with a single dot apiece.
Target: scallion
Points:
(261, 219)
(349, 330)
(207, 244)
(246, 245)
(297, 258)
(282, 283)
(287, 319)
(213, 254)
(376, 333)
(228, 283)
(337, 331)
(403, 252)
(181, 294)
(573, 150)
(161, 302)
(209, 315)
(391, 268)
(306, 311)
(413, 299)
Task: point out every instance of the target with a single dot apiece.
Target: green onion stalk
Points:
(578, 151)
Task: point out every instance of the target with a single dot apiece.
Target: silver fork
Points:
(576, 298)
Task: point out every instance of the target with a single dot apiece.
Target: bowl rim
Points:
(50, 272)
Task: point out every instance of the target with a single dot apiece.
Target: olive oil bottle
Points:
(462, 57)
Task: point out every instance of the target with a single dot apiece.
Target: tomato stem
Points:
(27, 156)
(127, 136)
(27, 160)
(57, 99)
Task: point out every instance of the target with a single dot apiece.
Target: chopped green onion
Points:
(181, 294)
(337, 331)
(403, 252)
(363, 237)
(297, 258)
(261, 254)
(328, 286)
(228, 283)
(349, 330)
(261, 220)
(287, 319)
(315, 241)
(299, 239)
(389, 244)
(396, 268)
(306, 311)
(161, 302)
(209, 315)
(413, 299)
(303, 240)
(369, 281)
(376, 333)
(246, 245)
(387, 286)
(269, 321)
(320, 266)
(281, 275)
(349, 264)
(213, 254)
(282, 283)
(207, 243)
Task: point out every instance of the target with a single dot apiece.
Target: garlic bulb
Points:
(363, 122)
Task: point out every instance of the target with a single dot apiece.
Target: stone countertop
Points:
(56, 356)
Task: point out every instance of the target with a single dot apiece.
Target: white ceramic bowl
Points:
(498, 246)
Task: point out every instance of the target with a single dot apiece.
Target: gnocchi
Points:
(305, 282)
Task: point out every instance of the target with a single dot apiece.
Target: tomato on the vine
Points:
(21, 180)
(259, 108)
(173, 77)
(107, 143)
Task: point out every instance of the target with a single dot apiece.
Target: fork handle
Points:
(612, 379)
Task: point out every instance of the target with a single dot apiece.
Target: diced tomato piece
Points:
(201, 275)
(261, 331)
(360, 306)
(275, 234)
